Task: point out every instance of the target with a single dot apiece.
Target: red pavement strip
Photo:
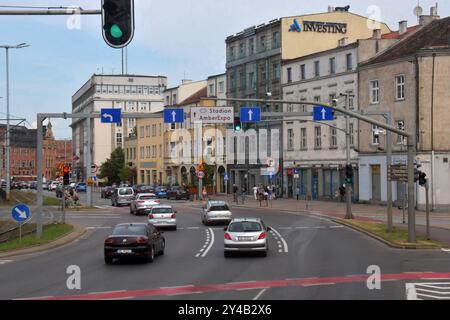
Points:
(186, 290)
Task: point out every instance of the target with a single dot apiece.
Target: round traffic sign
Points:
(200, 174)
(270, 162)
(20, 213)
(94, 168)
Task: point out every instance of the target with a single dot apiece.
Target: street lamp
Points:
(8, 142)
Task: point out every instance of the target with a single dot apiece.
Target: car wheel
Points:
(151, 255)
(163, 246)
(264, 254)
(226, 254)
(108, 260)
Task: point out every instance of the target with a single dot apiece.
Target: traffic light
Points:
(422, 179)
(416, 175)
(66, 176)
(349, 174)
(237, 124)
(118, 22)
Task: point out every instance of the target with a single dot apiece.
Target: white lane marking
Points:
(285, 228)
(103, 292)
(211, 231)
(260, 294)
(178, 287)
(123, 298)
(319, 284)
(445, 250)
(242, 282)
(185, 293)
(35, 298)
(2, 262)
(282, 239)
(193, 228)
(98, 228)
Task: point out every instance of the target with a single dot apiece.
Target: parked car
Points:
(142, 188)
(44, 186)
(138, 240)
(3, 184)
(53, 185)
(163, 217)
(246, 235)
(143, 202)
(73, 185)
(81, 187)
(216, 211)
(16, 185)
(106, 193)
(161, 192)
(177, 193)
(122, 196)
(33, 185)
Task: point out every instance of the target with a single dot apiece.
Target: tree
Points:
(113, 166)
(126, 174)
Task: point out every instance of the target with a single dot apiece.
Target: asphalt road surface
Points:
(309, 258)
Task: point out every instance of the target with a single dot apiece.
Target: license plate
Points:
(245, 238)
(124, 251)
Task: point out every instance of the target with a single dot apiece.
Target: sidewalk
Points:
(439, 222)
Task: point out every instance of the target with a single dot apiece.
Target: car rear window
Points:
(147, 197)
(129, 231)
(162, 210)
(245, 227)
(125, 192)
(219, 208)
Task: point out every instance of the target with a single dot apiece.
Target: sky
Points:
(177, 38)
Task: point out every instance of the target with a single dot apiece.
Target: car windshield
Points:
(162, 210)
(220, 208)
(147, 197)
(245, 227)
(129, 230)
(125, 192)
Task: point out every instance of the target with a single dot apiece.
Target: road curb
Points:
(74, 235)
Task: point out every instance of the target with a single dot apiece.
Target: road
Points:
(309, 258)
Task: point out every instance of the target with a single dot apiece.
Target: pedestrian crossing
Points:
(428, 291)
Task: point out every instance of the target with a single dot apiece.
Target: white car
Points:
(163, 217)
(246, 235)
(216, 211)
(143, 203)
(52, 186)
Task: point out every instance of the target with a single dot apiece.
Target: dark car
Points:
(134, 240)
(81, 187)
(33, 185)
(177, 193)
(16, 185)
(107, 192)
(160, 192)
(143, 188)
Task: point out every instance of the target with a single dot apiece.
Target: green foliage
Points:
(126, 174)
(113, 166)
(208, 181)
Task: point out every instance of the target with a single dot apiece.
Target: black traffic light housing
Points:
(237, 124)
(422, 178)
(349, 174)
(66, 175)
(118, 22)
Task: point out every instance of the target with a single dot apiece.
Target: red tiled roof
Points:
(396, 34)
(195, 98)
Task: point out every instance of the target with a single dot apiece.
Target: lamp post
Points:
(8, 142)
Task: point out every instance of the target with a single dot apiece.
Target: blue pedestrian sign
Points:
(251, 114)
(20, 213)
(322, 113)
(173, 116)
(111, 115)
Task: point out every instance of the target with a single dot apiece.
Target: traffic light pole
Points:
(348, 185)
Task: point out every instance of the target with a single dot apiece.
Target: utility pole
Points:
(389, 163)
(88, 162)
(348, 185)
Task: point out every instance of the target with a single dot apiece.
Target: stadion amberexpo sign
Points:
(212, 115)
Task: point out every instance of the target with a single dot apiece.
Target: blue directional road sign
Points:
(322, 113)
(20, 213)
(111, 115)
(251, 114)
(173, 116)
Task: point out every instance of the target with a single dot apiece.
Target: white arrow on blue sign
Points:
(111, 115)
(173, 116)
(20, 213)
(251, 114)
(322, 113)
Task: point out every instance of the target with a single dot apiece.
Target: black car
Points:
(107, 192)
(134, 240)
(143, 188)
(177, 193)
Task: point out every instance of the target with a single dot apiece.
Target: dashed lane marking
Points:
(260, 294)
(2, 262)
(285, 246)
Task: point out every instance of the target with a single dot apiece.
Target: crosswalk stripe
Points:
(2, 262)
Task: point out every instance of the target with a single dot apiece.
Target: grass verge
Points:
(29, 198)
(50, 233)
(398, 237)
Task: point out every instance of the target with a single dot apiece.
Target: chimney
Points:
(376, 34)
(424, 19)
(402, 27)
(434, 11)
(330, 9)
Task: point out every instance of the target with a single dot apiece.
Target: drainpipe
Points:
(433, 199)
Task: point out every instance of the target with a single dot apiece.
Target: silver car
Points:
(143, 202)
(246, 235)
(163, 216)
(216, 211)
(122, 196)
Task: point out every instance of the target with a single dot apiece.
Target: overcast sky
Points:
(173, 38)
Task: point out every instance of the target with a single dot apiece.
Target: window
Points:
(349, 61)
(233, 81)
(221, 87)
(263, 72)
(332, 96)
(351, 100)
(160, 129)
(251, 80)
(374, 92)
(118, 139)
(133, 89)
(333, 135)
(160, 150)
(289, 75)
(262, 44)
(317, 68)
(318, 137)
(304, 141)
(211, 90)
(276, 40)
(242, 50)
(400, 126)
(303, 72)
(317, 98)
(400, 87)
(139, 90)
(290, 142)
(332, 65)
(277, 71)
(375, 135)
(141, 132)
(251, 46)
(232, 56)
(352, 134)
(145, 92)
(147, 131)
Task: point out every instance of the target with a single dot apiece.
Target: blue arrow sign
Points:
(251, 114)
(111, 115)
(322, 113)
(20, 213)
(173, 116)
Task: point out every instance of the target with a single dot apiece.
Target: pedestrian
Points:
(235, 191)
(297, 191)
(205, 193)
(342, 192)
(255, 192)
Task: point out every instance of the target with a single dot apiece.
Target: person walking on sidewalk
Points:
(342, 192)
(235, 192)
(297, 191)
(255, 192)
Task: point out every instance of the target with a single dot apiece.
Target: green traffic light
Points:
(116, 32)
